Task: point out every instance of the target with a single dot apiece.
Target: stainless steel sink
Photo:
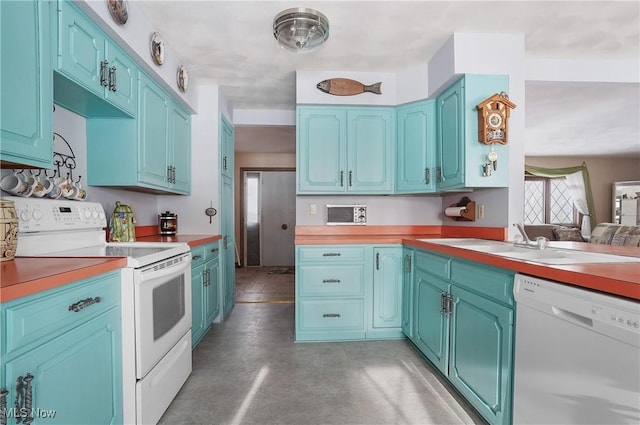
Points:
(544, 256)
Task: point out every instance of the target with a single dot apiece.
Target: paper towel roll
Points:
(454, 211)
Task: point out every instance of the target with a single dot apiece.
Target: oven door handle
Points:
(162, 270)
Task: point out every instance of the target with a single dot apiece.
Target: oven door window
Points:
(168, 306)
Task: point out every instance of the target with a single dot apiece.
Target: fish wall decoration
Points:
(347, 87)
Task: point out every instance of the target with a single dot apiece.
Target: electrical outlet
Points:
(313, 209)
(480, 211)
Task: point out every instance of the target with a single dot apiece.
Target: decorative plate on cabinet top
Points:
(119, 11)
(157, 48)
(183, 79)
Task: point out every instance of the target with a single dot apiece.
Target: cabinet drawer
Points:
(434, 264)
(330, 281)
(197, 255)
(43, 317)
(211, 251)
(483, 280)
(330, 254)
(321, 315)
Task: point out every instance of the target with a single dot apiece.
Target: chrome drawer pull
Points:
(331, 254)
(76, 307)
(331, 315)
(331, 281)
(196, 257)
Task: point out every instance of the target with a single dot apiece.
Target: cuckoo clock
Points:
(493, 114)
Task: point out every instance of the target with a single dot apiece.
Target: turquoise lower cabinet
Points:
(481, 353)
(62, 361)
(205, 304)
(26, 118)
(407, 292)
(386, 310)
(463, 323)
(431, 325)
(348, 292)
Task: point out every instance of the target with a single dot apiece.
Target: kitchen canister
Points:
(122, 224)
(8, 230)
(168, 223)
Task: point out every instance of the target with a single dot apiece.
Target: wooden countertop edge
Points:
(25, 288)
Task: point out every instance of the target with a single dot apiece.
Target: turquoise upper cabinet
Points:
(345, 150)
(153, 128)
(370, 150)
(26, 81)
(460, 155)
(321, 151)
(227, 148)
(150, 153)
(416, 147)
(91, 60)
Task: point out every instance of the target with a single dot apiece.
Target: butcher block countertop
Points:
(24, 276)
(622, 279)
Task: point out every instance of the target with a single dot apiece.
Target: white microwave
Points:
(346, 214)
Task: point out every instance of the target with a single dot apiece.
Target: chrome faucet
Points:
(524, 241)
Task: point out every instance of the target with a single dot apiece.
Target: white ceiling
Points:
(230, 43)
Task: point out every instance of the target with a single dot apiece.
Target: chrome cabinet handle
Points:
(350, 178)
(449, 304)
(197, 257)
(438, 174)
(427, 175)
(330, 315)
(3, 406)
(205, 278)
(112, 78)
(407, 263)
(77, 306)
(24, 399)
(341, 178)
(331, 254)
(224, 162)
(443, 303)
(377, 261)
(104, 73)
(331, 281)
(214, 250)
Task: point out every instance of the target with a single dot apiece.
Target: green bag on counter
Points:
(122, 224)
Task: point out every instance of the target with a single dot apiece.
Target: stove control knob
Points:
(37, 214)
(94, 214)
(102, 215)
(87, 213)
(25, 216)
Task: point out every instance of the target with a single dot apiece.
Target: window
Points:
(548, 200)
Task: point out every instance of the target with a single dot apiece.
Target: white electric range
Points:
(155, 296)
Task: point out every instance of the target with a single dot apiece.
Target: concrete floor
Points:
(248, 370)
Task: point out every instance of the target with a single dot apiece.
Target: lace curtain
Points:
(579, 187)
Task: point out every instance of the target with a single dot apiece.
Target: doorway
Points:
(268, 202)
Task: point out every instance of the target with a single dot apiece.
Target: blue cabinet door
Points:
(153, 128)
(321, 150)
(387, 287)
(227, 147)
(180, 145)
(81, 55)
(370, 150)
(26, 117)
(407, 292)
(198, 324)
(123, 88)
(77, 377)
(212, 291)
(431, 325)
(481, 354)
(416, 148)
(450, 137)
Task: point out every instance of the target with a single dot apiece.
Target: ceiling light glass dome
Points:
(300, 29)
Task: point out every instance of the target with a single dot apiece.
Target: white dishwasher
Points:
(577, 356)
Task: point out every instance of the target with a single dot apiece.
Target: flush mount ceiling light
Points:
(300, 29)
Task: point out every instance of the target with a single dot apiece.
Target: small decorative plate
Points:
(119, 11)
(183, 79)
(157, 48)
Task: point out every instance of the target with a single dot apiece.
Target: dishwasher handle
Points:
(572, 317)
